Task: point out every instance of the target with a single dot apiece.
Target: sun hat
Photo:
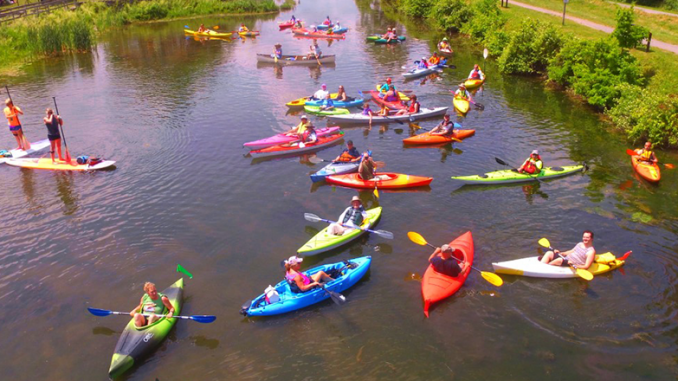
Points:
(294, 260)
(535, 152)
(356, 198)
(303, 117)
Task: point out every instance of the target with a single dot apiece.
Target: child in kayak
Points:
(442, 261)
(302, 281)
(152, 303)
(646, 154)
(444, 46)
(368, 111)
(350, 219)
(327, 104)
(532, 164)
(581, 256)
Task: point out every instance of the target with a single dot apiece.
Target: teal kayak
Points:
(378, 40)
(509, 176)
(317, 111)
(136, 343)
(324, 241)
(345, 274)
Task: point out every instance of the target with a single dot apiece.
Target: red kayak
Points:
(393, 105)
(427, 138)
(436, 286)
(384, 180)
(286, 24)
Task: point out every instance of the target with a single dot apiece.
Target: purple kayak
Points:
(284, 139)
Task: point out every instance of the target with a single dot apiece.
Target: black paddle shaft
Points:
(56, 108)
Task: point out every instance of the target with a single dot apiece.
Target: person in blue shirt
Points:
(349, 154)
(327, 103)
(443, 263)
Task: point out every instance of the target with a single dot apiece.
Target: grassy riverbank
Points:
(66, 31)
(635, 89)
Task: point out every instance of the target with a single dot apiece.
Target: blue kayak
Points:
(341, 29)
(345, 275)
(354, 103)
(335, 168)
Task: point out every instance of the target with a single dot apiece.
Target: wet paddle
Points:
(631, 152)
(584, 274)
(27, 144)
(61, 127)
(502, 162)
(492, 278)
(336, 297)
(381, 233)
(199, 318)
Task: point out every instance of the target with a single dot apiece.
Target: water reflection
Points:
(314, 71)
(64, 186)
(202, 341)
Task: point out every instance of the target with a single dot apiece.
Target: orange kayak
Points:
(648, 171)
(436, 286)
(385, 180)
(427, 138)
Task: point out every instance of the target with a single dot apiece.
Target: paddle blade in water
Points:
(98, 312)
(315, 159)
(494, 279)
(311, 217)
(631, 152)
(181, 269)
(384, 234)
(544, 242)
(416, 238)
(584, 274)
(203, 318)
(669, 165)
(500, 161)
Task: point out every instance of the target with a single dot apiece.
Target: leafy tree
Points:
(628, 34)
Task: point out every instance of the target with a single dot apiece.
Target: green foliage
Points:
(595, 69)
(450, 14)
(530, 48)
(485, 19)
(645, 115)
(626, 33)
(287, 5)
(416, 8)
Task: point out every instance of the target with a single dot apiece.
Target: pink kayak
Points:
(284, 139)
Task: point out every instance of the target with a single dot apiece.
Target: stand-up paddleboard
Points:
(35, 147)
(58, 165)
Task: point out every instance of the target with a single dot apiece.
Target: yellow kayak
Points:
(46, 163)
(209, 33)
(461, 105)
(301, 102)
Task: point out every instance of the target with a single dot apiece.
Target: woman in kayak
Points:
(301, 280)
(341, 95)
(581, 256)
(446, 127)
(421, 64)
(532, 164)
(52, 123)
(350, 219)
(152, 303)
(646, 154)
(391, 95)
(442, 261)
(412, 109)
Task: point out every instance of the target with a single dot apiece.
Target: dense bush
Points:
(645, 115)
(450, 14)
(530, 48)
(486, 18)
(416, 8)
(628, 34)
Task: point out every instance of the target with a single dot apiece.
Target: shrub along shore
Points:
(65, 31)
(603, 71)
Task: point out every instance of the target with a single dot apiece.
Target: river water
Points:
(174, 113)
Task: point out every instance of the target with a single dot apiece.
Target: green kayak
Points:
(317, 111)
(136, 343)
(324, 241)
(376, 38)
(509, 176)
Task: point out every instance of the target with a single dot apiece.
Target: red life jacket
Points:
(475, 75)
(530, 166)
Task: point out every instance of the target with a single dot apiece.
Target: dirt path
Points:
(646, 10)
(603, 28)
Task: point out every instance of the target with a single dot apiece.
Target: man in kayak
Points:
(243, 28)
(302, 281)
(12, 114)
(277, 53)
(646, 154)
(315, 52)
(462, 93)
(476, 73)
(300, 128)
(152, 303)
(434, 59)
(532, 165)
(446, 127)
(52, 123)
(581, 256)
(350, 154)
(350, 219)
(443, 263)
(321, 94)
(412, 109)
(445, 46)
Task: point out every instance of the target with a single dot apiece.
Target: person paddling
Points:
(462, 93)
(581, 256)
(350, 154)
(153, 303)
(434, 59)
(443, 263)
(445, 46)
(476, 73)
(277, 52)
(303, 282)
(646, 154)
(320, 94)
(350, 219)
(243, 28)
(12, 114)
(446, 127)
(367, 168)
(533, 164)
(315, 52)
(52, 122)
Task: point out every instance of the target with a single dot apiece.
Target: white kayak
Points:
(360, 118)
(35, 147)
(533, 267)
(414, 73)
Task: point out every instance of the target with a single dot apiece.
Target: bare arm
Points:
(435, 253)
(169, 306)
(302, 286)
(137, 308)
(590, 257)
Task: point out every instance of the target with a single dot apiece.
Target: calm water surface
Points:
(174, 113)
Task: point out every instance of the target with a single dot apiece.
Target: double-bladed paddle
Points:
(494, 279)
(381, 233)
(631, 152)
(584, 274)
(199, 318)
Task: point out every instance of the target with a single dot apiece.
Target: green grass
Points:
(663, 28)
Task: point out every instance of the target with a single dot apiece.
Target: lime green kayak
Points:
(509, 176)
(323, 241)
(136, 343)
(317, 111)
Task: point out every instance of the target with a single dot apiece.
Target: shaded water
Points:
(174, 113)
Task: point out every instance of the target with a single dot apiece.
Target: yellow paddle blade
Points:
(492, 278)
(376, 192)
(584, 274)
(544, 242)
(215, 27)
(418, 127)
(416, 238)
(456, 140)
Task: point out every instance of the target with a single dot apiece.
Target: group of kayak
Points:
(202, 31)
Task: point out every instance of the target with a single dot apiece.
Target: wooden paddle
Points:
(502, 162)
(584, 274)
(68, 154)
(494, 279)
(631, 152)
(27, 144)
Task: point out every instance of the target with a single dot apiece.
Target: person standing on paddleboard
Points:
(152, 303)
(581, 256)
(12, 114)
(442, 261)
(646, 154)
(350, 219)
(52, 123)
